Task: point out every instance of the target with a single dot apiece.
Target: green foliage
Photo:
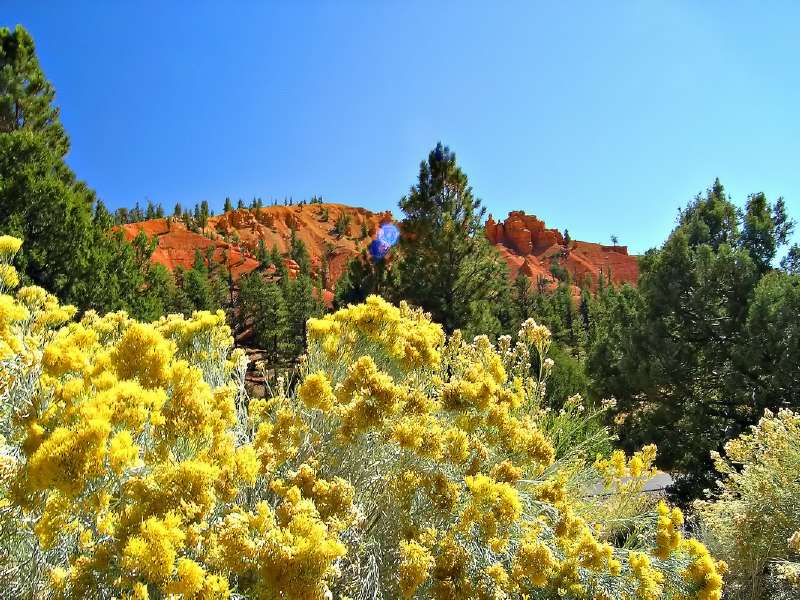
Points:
(51, 215)
(791, 262)
(363, 277)
(342, 225)
(69, 247)
(263, 255)
(692, 355)
(26, 96)
(299, 253)
(446, 265)
(303, 303)
(765, 229)
(569, 379)
(557, 311)
(261, 306)
(559, 271)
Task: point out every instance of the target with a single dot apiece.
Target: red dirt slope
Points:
(238, 232)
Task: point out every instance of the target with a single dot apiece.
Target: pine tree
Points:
(203, 215)
(342, 225)
(692, 354)
(362, 277)
(261, 306)
(228, 205)
(263, 255)
(69, 246)
(447, 265)
(791, 262)
(299, 253)
(302, 304)
(26, 96)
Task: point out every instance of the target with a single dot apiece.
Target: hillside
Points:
(522, 240)
(238, 232)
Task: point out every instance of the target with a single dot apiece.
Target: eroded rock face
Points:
(530, 248)
(524, 241)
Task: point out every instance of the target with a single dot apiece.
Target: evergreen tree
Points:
(446, 264)
(791, 262)
(276, 259)
(263, 255)
(69, 247)
(262, 307)
(26, 96)
(691, 355)
(203, 215)
(299, 254)
(228, 205)
(136, 215)
(181, 302)
(765, 229)
(198, 289)
(361, 278)
(342, 225)
(302, 304)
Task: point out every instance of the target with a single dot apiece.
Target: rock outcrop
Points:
(531, 248)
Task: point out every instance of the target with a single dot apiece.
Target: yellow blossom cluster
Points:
(406, 335)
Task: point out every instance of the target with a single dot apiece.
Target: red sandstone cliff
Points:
(529, 247)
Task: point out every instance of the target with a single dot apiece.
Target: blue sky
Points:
(602, 117)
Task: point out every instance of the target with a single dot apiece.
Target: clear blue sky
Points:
(603, 117)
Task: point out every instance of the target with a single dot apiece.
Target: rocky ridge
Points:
(523, 240)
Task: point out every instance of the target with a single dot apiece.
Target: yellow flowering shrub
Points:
(400, 464)
(752, 520)
(464, 484)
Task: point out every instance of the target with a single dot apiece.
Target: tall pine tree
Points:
(446, 265)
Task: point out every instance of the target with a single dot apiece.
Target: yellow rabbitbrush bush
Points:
(457, 487)
(402, 465)
(753, 519)
(128, 467)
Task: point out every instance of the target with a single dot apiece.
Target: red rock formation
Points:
(522, 240)
(529, 247)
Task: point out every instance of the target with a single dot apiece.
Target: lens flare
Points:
(387, 236)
